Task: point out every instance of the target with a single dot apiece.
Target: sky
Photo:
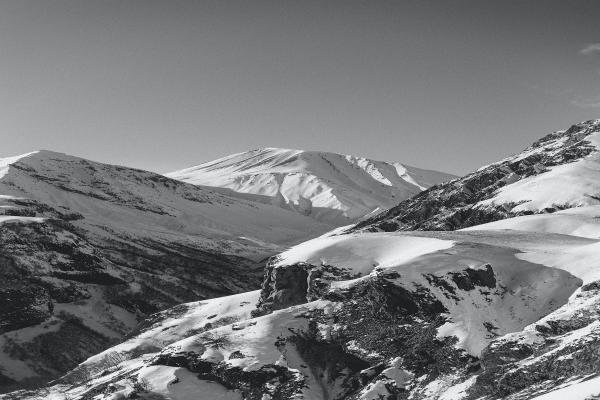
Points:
(162, 85)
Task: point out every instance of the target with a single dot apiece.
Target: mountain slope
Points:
(578, 221)
(329, 187)
(88, 250)
(416, 315)
(557, 172)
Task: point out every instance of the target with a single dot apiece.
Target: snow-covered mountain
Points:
(557, 172)
(508, 309)
(87, 250)
(333, 188)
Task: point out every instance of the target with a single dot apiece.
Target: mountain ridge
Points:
(327, 186)
(521, 184)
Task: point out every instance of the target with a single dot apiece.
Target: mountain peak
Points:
(44, 153)
(41, 154)
(574, 133)
(584, 124)
(276, 150)
(328, 186)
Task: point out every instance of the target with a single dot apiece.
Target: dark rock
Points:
(23, 306)
(368, 374)
(470, 278)
(283, 287)
(296, 284)
(251, 384)
(591, 286)
(236, 354)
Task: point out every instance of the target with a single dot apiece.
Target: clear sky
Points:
(162, 85)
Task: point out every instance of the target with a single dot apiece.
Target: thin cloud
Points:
(590, 49)
(587, 103)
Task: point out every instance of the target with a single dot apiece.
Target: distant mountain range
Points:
(332, 188)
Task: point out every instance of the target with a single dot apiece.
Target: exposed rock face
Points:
(461, 203)
(284, 287)
(471, 278)
(296, 284)
(252, 384)
(23, 306)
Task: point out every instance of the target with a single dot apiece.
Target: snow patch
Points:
(10, 218)
(362, 253)
(580, 221)
(6, 162)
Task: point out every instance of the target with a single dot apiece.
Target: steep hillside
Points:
(87, 250)
(333, 188)
(559, 171)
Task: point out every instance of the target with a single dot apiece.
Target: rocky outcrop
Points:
(375, 320)
(296, 284)
(251, 384)
(471, 278)
(283, 287)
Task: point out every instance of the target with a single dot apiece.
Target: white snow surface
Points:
(329, 187)
(579, 221)
(173, 327)
(180, 384)
(361, 253)
(577, 258)
(581, 390)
